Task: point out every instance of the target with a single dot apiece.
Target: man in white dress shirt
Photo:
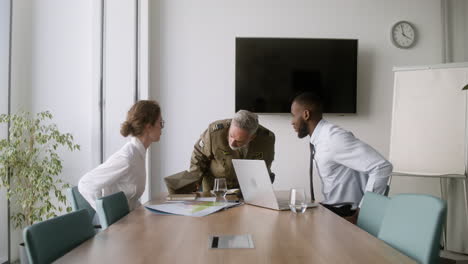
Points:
(346, 166)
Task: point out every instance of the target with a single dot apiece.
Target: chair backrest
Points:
(413, 225)
(111, 208)
(372, 212)
(48, 240)
(78, 202)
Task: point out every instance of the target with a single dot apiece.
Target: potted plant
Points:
(30, 165)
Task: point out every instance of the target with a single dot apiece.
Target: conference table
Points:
(316, 236)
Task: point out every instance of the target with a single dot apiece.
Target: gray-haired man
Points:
(238, 138)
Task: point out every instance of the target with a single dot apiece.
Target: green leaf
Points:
(465, 88)
(30, 167)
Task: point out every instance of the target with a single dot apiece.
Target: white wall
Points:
(193, 64)
(21, 56)
(458, 22)
(53, 69)
(4, 51)
(62, 67)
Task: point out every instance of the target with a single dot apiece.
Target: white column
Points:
(457, 39)
(119, 70)
(143, 78)
(125, 69)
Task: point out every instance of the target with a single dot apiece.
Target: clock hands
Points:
(403, 32)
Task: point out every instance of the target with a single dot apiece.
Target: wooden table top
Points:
(317, 236)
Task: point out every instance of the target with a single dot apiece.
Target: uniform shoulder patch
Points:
(217, 127)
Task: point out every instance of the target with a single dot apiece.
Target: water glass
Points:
(297, 200)
(220, 188)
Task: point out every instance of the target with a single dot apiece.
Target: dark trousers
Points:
(343, 211)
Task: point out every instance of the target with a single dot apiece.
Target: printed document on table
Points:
(190, 208)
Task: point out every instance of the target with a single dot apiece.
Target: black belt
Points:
(343, 211)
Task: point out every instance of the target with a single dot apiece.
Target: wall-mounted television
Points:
(270, 72)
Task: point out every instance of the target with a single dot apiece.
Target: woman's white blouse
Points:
(123, 171)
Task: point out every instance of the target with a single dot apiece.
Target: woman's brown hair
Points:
(142, 113)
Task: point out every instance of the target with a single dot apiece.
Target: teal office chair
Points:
(48, 240)
(111, 208)
(413, 225)
(78, 202)
(372, 212)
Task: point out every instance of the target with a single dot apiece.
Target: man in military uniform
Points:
(238, 138)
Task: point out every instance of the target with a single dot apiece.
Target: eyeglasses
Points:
(162, 123)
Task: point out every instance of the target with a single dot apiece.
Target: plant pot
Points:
(23, 254)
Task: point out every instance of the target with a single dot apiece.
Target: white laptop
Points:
(256, 186)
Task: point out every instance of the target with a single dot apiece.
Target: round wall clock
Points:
(403, 34)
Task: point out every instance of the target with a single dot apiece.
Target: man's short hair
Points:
(246, 120)
(310, 101)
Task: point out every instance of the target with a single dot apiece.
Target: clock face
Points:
(403, 34)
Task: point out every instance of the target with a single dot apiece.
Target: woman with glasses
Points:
(125, 170)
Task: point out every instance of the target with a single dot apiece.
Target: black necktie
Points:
(311, 171)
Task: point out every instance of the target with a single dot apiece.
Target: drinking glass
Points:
(220, 188)
(297, 200)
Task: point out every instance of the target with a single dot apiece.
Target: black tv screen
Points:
(270, 72)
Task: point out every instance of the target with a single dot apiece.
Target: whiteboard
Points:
(428, 122)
